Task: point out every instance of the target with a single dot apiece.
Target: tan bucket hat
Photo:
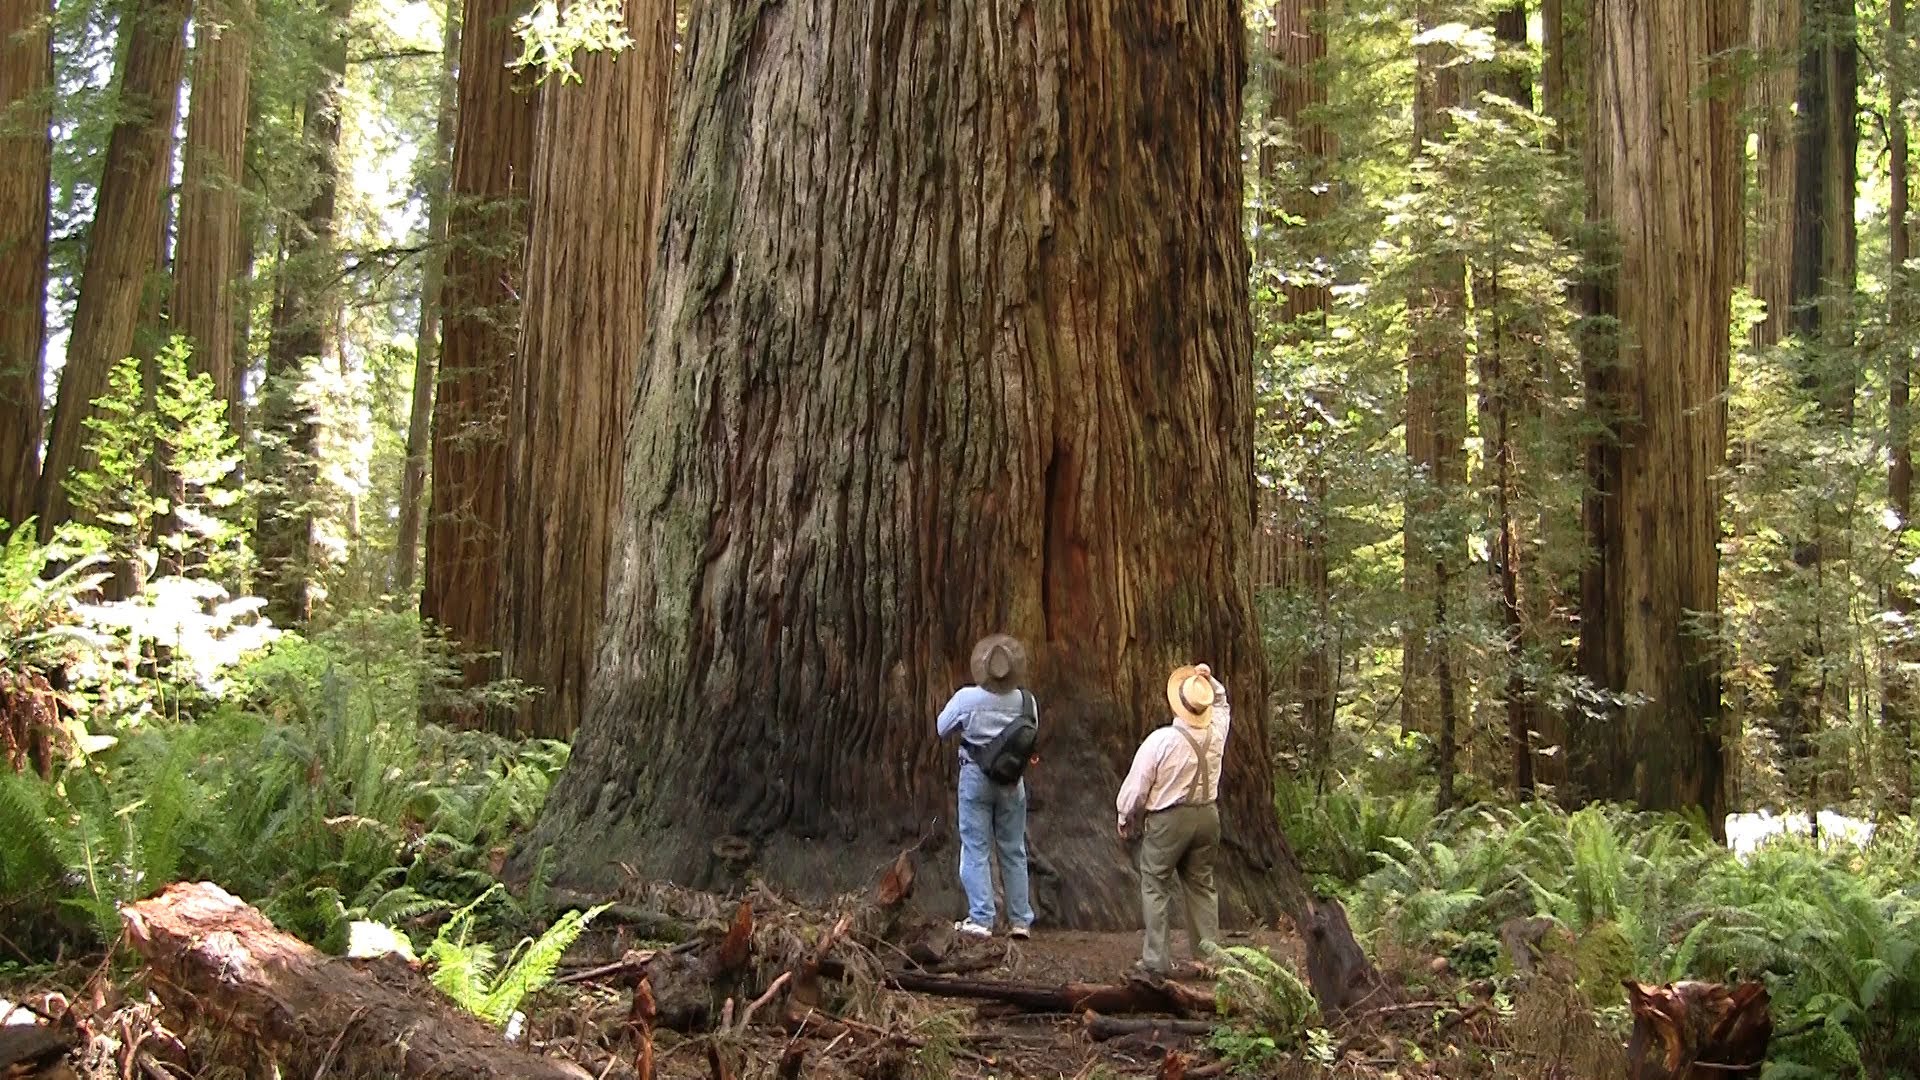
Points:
(1191, 695)
(999, 663)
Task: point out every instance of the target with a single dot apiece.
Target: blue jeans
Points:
(996, 816)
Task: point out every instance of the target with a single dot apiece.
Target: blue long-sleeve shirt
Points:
(979, 714)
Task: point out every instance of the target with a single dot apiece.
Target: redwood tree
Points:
(1664, 180)
(599, 164)
(492, 164)
(121, 242)
(949, 335)
(205, 295)
(304, 328)
(1436, 432)
(1897, 704)
(26, 154)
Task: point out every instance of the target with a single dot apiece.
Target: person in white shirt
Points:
(1169, 804)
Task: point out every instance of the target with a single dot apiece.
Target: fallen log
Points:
(1153, 1029)
(1698, 1031)
(1071, 998)
(215, 960)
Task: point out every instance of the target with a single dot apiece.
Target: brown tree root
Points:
(216, 961)
(1698, 1031)
(1071, 998)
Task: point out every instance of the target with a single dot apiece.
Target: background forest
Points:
(321, 323)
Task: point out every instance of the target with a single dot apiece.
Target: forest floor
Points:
(862, 1017)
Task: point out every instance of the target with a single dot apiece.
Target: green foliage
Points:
(550, 35)
(464, 969)
(41, 587)
(1834, 932)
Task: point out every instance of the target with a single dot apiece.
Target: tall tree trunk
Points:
(1296, 91)
(120, 242)
(1505, 397)
(599, 166)
(205, 268)
(1776, 42)
(1822, 282)
(26, 156)
(413, 481)
(1664, 172)
(492, 167)
(304, 325)
(951, 336)
(1563, 25)
(1897, 701)
(1436, 433)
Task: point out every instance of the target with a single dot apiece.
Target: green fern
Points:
(464, 968)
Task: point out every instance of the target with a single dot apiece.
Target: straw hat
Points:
(999, 663)
(1191, 695)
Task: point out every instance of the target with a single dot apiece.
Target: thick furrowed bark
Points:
(1653, 512)
(950, 335)
(594, 221)
(479, 312)
(204, 296)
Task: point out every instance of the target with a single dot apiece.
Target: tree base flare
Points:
(214, 958)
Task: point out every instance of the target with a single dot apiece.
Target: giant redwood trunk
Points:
(1664, 175)
(207, 265)
(950, 335)
(492, 164)
(599, 165)
(121, 242)
(26, 155)
(304, 330)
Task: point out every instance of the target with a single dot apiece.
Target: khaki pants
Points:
(1176, 855)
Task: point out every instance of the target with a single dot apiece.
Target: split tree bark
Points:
(217, 961)
(26, 156)
(599, 167)
(1664, 171)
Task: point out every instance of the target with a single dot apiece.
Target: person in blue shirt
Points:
(992, 816)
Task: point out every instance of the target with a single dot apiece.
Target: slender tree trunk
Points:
(120, 245)
(413, 481)
(1504, 395)
(1664, 172)
(26, 155)
(925, 366)
(1776, 40)
(1436, 433)
(599, 165)
(492, 168)
(1897, 700)
(1563, 25)
(205, 269)
(304, 325)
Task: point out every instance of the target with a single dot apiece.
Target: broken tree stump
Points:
(218, 962)
(1071, 998)
(1698, 1031)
